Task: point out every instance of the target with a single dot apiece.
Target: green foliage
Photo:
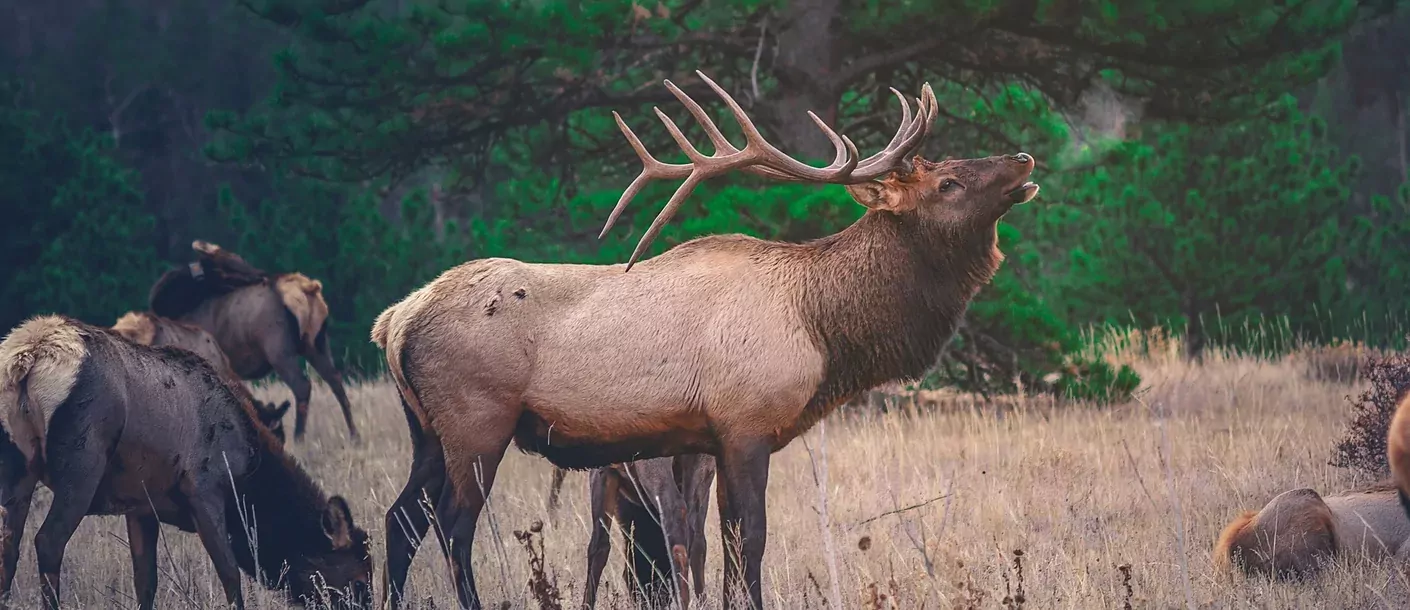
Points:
(1189, 226)
(1097, 381)
(76, 239)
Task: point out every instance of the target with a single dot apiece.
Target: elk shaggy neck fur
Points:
(884, 297)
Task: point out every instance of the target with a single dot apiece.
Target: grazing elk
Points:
(263, 322)
(156, 435)
(147, 328)
(726, 344)
(1298, 531)
(660, 506)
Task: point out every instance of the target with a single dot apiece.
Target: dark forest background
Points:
(1235, 170)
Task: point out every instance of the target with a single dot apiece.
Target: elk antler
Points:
(759, 157)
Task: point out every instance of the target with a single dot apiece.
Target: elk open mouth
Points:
(1024, 193)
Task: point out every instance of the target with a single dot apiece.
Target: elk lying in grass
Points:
(1299, 530)
(156, 435)
(262, 322)
(147, 328)
(726, 345)
(660, 506)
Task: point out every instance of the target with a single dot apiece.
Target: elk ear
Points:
(338, 523)
(279, 412)
(885, 196)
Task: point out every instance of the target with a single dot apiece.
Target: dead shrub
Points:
(1363, 446)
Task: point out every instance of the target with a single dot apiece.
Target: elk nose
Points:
(1024, 158)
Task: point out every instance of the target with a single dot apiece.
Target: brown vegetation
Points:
(1088, 494)
(1363, 446)
(263, 322)
(155, 434)
(725, 345)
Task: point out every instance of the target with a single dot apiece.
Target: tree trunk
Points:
(804, 66)
(1195, 337)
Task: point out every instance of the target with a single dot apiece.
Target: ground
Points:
(1080, 490)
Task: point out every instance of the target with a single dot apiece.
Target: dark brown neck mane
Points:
(883, 297)
(284, 507)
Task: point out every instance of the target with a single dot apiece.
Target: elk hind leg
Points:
(290, 370)
(16, 494)
(473, 442)
(409, 517)
(321, 357)
(604, 493)
(75, 471)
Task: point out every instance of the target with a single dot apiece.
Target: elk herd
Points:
(663, 375)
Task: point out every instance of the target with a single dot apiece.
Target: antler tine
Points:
(650, 169)
(765, 152)
(666, 213)
(900, 130)
(722, 144)
(914, 133)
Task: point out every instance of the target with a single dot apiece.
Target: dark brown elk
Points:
(726, 344)
(156, 435)
(660, 506)
(147, 328)
(263, 322)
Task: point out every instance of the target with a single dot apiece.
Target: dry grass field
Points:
(927, 505)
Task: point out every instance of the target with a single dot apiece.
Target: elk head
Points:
(342, 573)
(272, 417)
(957, 192)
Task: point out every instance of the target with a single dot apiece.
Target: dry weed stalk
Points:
(543, 587)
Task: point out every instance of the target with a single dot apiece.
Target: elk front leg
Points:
(208, 512)
(743, 480)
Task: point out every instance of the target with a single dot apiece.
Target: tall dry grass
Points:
(926, 505)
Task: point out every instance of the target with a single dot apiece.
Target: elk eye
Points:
(948, 185)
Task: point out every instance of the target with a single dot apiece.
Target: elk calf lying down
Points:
(660, 505)
(1299, 530)
(156, 435)
(147, 328)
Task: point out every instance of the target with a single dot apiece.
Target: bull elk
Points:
(725, 344)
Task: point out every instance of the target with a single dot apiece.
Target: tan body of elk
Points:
(267, 327)
(1398, 450)
(156, 435)
(1299, 530)
(660, 506)
(147, 328)
(726, 345)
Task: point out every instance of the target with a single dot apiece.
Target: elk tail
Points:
(389, 335)
(39, 364)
